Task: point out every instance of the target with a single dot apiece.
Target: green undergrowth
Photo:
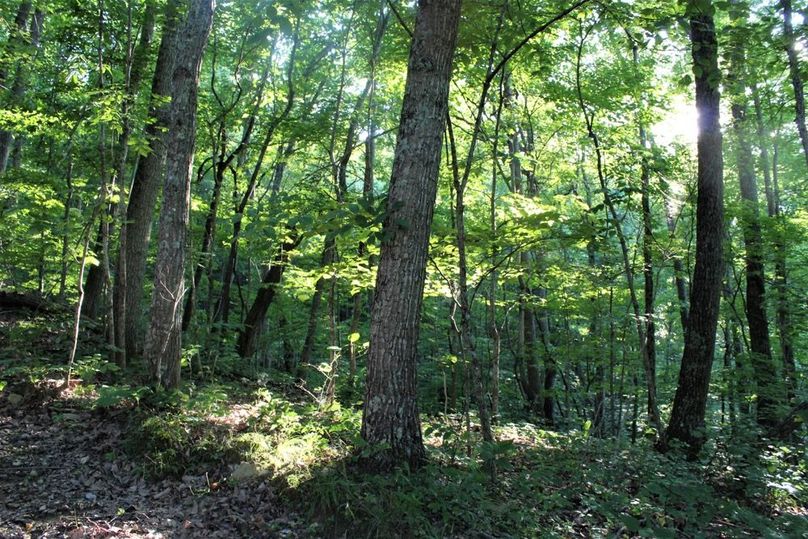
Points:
(548, 484)
(561, 485)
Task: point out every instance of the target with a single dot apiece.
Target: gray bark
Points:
(391, 410)
(163, 340)
(145, 189)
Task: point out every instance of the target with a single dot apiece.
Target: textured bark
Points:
(796, 79)
(136, 67)
(764, 371)
(163, 340)
(689, 404)
(390, 420)
(248, 336)
(145, 188)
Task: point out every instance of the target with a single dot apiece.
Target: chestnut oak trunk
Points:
(390, 422)
(689, 405)
(145, 188)
(163, 339)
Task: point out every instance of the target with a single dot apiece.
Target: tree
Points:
(689, 404)
(136, 230)
(390, 417)
(163, 341)
(790, 42)
(765, 373)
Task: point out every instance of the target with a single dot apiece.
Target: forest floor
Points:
(251, 455)
(63, 473)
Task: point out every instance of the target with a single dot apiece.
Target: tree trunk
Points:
(679, 276)
(145, 188)
(764, 370)
(796, 79)
(690, 402)
(18, 89)
(783, 309)
(248, 336)
(163, 341)
(647, 252)
(135, 68)
(327, 257)
(17, 35)
(648, 361)
(390, 417)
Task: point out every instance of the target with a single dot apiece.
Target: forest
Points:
(387, 268)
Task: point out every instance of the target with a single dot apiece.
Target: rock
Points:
(244, 472)
(14, 398)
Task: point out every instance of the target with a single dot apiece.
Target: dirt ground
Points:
(63, 474)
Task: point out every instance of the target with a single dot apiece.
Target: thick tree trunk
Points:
(163, 340)
(390, 420)
(690, 402)
(145, 188)
(136, 67)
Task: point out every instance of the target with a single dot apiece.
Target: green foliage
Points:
(176, 432)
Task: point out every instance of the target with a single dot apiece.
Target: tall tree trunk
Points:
(145, 188)
(390, 418)
(222, 164)
(163, 341)
(764, 370)
(17, 35)
(18, 89)
(690, 403)
(468, 348)
(647, 243)
(783, 309)
(135, 68)
(327, 257)
(104, 230)
(796, 79)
